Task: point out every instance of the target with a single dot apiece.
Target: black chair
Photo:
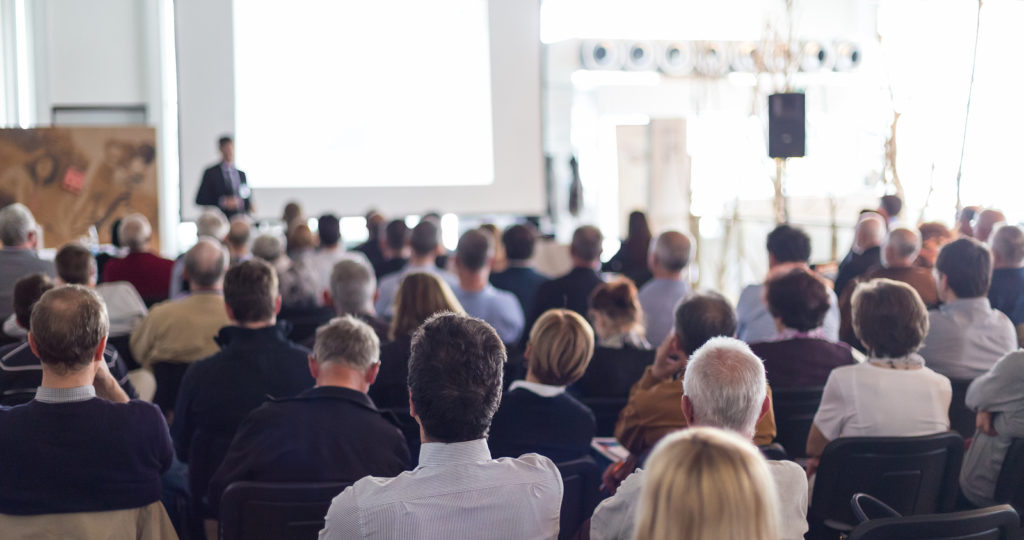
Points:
(961, 419)
(794, 413)
(168, 377)
(285, 511)
(915, 475)
(994, 523)
(774, 452)
(1010, 484)
(305, 321)
(121, 344)
(581, 480)
(606, 413)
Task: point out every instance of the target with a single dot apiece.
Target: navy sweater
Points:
(558, 427)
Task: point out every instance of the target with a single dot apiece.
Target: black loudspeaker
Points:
(786, 125)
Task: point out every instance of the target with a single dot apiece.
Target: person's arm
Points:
(832, 414)
(653, 404)
(107, 386)
(206, 196)
(342, 520)
(120, 373)
(999, 390)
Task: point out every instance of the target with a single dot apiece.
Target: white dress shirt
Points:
(124, 306)
(457, 491)
(966, 337)
(542, 390)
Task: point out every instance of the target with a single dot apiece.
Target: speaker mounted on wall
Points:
(786, 132)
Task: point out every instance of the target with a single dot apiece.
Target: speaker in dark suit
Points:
(223, 185)
(786, 125)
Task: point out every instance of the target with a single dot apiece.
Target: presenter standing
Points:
(223, 185)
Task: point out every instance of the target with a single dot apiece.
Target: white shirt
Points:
(323, 262)
(865, 400)
(966, 337)
(385, 305)
(614, 517)
(457, 491)
(124, 306)
(542, 390)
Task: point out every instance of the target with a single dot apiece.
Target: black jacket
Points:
(391, 389)
(215, 185)
(571, 291)
(558, 427)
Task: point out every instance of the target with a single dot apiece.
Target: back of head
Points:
(901, 248)
(799, 298)
(787, 243)
(1008, 246)
(374, 220)
(561, 345)
(300, 238)
(419, 296)
(329, 230)
(16, 225)
(347, 341)
(268, 247)
(706, 484)
(27, 292)
(870, 231)
(424, 239)
(474, 251)
(250, 290)
(396, 235)
(134, 232)
(239, 232)
(672, 251)
(68, 324)
(701, 317)
(725, 383)
(292, 213)
(352, 287)
(618, 301)
(206, 262)
(934, 230)
(212, 223)
(586, 243)
(892, 205)
(75, 264)
(455, 375)
(889, 318)
(639, 229)
(967, 265)
(519, 242)
(987, 219)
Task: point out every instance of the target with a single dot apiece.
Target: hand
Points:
(106, 385)
(983, 422)
(812, 466)
(616, 473)
(229, 202)
(669, 358)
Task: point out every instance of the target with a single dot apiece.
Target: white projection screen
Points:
(400, 105)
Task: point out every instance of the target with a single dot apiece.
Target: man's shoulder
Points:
(787, 473)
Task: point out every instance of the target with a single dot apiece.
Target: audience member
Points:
(986, 222)
(329, 433)
(631, 259)
(292, 216)
(1007, 290)
(963, 222)
(934, 235)
(19, 236)
(890, 208)
(420, 295)
(95, 450)
(239, 240)
(218, 392)
(500, 261)
(455, 373)
(371, 248)
(300, 280)
(331, 250)
(788, 247)
(866, 251)
(893, 393)
(724, 387)
(668, 286)
(125, 308)
(394, 248)
(211, 223)
(967, 336)
(478, 297)
(801, 355)
(536, 414)
(425, 242)
(519, 277)
(351, 293)
(572, 291)
(149, 273)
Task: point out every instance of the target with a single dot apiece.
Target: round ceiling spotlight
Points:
(640, 56)
(745, 58)
(712, 59)
(601, 54)
(675, 58)
(848, 56)
(816, 56)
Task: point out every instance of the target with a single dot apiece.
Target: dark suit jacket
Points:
(571, 291)
(612, 372)
(521, 281)
(215, 185)
(325, 434)
(391, 389)
(801, 361)
(854, 265)
(559, 427)
(1007, 293)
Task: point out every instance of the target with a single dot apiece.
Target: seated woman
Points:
(707, 484)
(419, 296)
(536, 415)
(800, 356)
(622, 351)
(892, 394)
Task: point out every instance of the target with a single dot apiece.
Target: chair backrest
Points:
(913, 475)
(794, 413)
(1010, 484)
(606, 413)
(168, 377)
(581, 480)
(994, 523)
(305, 321)
(961, 419)
(265, 510)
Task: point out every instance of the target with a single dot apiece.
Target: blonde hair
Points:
(707, 484)
(561, 345)
(419, 296)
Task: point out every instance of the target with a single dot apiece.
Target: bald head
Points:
(901, 248)
(134, 232)
(205, 264)
(68, 328)
(870, 231)
(987, 220)
(671, 252)
(1008, 247)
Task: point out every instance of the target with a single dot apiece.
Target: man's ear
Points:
(32, 344)
(231, 314)
(371, 374)
(314, 367)
(527, 352)
(98, 355)
(765, 407)
(412, 408)
(328, 301)
(277, 304)
(687, 407)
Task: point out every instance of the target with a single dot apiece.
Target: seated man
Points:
(572, 290)
(866, 251)
(966, 336)
(19, 236)
(394, 248)
(659, 297)
(352, 290)
(1007, 291)
(20, 369)
(478, 297)
(457, 491)
(519, 277)
(426, 245)
(329, 433)
(255, 360)
(148, 272)
(331, 250)
(102, 452)
(239, 239)
(76, 266)
(723, 387)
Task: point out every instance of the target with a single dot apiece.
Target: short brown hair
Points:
(586, 243)
(967, 265)
(889, 318)
(798, 298)
(27, 292)
(619, 301)
(475, 249)
(75, 264)
(561, 345)
(419, 296)
(250, 290)
(68, 325)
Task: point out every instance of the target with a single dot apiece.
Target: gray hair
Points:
(352, 287)
(1008, 245)
(672, 250)
(870, 231)
(16, 224)
(586, 243)
(206, 262)
(725, 383)
(268, 247)
(901, 245)
(213, 223)
(349, 341)
(134, 231)
(67, 325)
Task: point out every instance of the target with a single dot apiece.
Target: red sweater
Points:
(150, 274)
